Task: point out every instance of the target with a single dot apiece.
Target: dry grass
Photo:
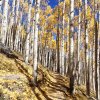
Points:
(16, 83)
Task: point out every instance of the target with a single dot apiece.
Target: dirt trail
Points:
(16, 83)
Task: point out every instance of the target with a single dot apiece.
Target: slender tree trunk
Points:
(57, 41)
(62, 42)
(12, 24)
(35, 62)
(79, 41)
(85, 45)
(93, 63)
(0, 5)
(67, 60)
(72, 74)
(18, 23)
(69, 53)
(96, 53)
(99, 58)
(32, 35)
(4, 22)
(17, 11)
(17, 39)
(96, 63)
(27, 42)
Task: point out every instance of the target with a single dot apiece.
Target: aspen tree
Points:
(0, 14)
(4, 22)
(85, 46)
(72, 74)
(35, 50)
(62, 41)
(0, 4)
(87, 52)
(17, 21)
(96, 52)
(99, 57)
(57, 39)
(27, 42)
(17, 11)
(12, 24)
(79, 41)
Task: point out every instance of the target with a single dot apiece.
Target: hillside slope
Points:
(16, 83)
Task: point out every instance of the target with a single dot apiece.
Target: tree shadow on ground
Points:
(59, 82)
(31, 83)
(9, 54)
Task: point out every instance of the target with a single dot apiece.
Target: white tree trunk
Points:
(18, 32)
(79, 41)
(17, 11)
(99, 58)
(72, 74)
(13, 13)
(93, 68)
(28, 36)
(72, 28)
(35, 51)
(18, 23)
(0, 5)
(4, 22)
(12, 19)
(62, 42)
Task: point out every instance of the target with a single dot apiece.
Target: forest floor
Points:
(16, 82)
